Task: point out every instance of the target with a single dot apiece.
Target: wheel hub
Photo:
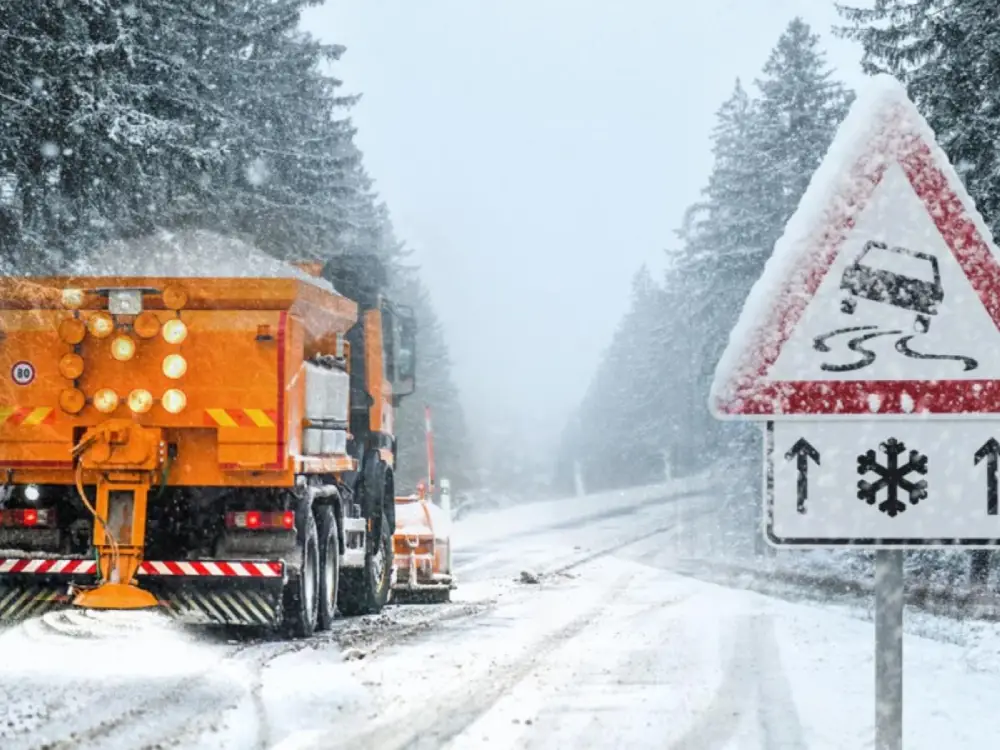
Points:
(328, 570)
(378, 561)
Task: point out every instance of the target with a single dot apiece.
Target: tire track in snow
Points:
(190, 703)
(777, 713)
(435, 722)
(721, 719)
(754, 681)
(491, 553)
(438, 720)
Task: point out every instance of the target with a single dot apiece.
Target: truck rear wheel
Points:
(301, 594)
(365, 590)
(329, 566)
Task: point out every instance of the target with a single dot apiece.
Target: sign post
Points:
(869, 350)
(889, 649)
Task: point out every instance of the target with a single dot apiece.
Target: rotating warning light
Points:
(174, 297)
(71, 366)
(72, 331)
(146, 325)
(123, 348)
(106, 400)
(174, 401)
(72, 400)
(72, 298)
(174, 331)
(140, 401)
(101, 325)
(174, 366)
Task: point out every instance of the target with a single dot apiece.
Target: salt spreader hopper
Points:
(221, 448)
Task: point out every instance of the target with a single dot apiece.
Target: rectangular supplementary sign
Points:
(885, 483)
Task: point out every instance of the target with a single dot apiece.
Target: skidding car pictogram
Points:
(863, 279)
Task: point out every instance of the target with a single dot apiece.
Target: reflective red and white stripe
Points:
(214, 568)
(29, 565)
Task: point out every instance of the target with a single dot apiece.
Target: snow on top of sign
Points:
(194, 253)
(881, 113)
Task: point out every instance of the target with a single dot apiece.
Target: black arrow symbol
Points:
(803, 451)
(990, 450)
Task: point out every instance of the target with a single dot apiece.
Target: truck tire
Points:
(329, 565)
(301, 593)
(365, 590)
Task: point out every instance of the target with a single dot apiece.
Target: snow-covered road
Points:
(609, 648)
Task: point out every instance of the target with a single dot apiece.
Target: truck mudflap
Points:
(198, 592)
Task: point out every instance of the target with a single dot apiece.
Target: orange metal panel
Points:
(243, 383)
(295, 388)
(374, 367)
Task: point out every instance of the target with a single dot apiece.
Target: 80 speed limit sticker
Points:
(22, 373)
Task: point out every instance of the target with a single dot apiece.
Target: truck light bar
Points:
(261, 520)
(28, 518)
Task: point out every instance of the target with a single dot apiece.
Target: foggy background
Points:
(534, 154)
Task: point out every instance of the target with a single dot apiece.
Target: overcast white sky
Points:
(534, 153)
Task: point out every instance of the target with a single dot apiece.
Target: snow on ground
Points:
(628, 654)
(52, 684)
(608, 647)
(547, 515)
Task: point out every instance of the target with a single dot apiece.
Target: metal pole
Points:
(889, 649)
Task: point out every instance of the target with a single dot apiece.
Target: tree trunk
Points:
(979, 567)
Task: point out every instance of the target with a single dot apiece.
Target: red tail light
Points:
(28, 518)
(261, 520)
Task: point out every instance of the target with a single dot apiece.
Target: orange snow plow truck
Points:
(220, 448)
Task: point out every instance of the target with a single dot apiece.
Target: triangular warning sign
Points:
(883, 295)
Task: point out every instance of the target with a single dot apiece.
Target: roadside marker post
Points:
(869, 349)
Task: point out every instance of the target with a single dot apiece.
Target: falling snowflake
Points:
(257, 172)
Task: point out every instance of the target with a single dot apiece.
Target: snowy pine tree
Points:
(119, 117)
(453, 455)
(726, 245)
(649, 396)
(800, 108)
(618, 438)
(122, 116)
(945, 51)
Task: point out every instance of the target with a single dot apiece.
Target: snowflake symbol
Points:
(892, 477)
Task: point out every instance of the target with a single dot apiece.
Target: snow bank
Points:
(196, 253)
(549, 514)
(877, 131)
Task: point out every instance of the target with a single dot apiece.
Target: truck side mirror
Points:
(407, 362)
(406, 354)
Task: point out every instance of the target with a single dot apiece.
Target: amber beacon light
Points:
(174, 401)
(106, 400)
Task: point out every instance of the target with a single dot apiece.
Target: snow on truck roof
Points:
(192, 253)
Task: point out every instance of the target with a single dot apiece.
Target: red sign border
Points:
(757, 397)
